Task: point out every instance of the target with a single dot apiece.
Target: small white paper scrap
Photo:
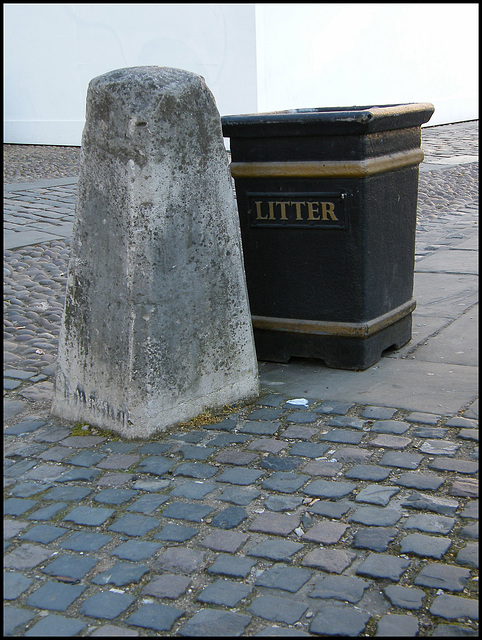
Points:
(299, 402)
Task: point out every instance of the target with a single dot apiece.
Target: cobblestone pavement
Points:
(28, 162)
(292, 516)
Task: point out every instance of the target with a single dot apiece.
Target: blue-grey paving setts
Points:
(289, 516)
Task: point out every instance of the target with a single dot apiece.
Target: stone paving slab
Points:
(338, 503)
(454, 343)
(451, 261)
(415, 385)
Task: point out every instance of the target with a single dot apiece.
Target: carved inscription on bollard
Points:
(157, 325)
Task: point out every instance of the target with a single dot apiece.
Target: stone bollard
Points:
(156, 325)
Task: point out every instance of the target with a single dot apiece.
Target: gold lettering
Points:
(258, 211)
(322, 211)
(312, 209)
(328, 209)
(298, 209)
(283, 209)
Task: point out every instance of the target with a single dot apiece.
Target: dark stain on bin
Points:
(327, 203)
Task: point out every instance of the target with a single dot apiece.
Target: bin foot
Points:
(337, 352)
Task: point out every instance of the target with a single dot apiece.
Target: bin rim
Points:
(326, 120)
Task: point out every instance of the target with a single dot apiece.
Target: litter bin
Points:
(327, 202)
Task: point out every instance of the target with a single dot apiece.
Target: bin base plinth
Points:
(337, 352)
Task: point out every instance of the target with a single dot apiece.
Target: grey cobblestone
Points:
(239, 496)
(390, 426)
(229, 518)
(379, 565)
(15, 619)
(422, 545)
(308, 449)
(225, 541)
(282, 503)
(224, 592)
(329, 560)
(176, 533)
(420, 501)
(458, 465)
(325, 532)
(159, 617)
(275, 523)
(343, 436)
(55, 596)
(430, 523)
(168, 585)
(420, 481)
(405, 597)
(56, 625)
(133, 525)
(80, 541)
(215, 622)
(344, 588)
(401, 460)
(26, 556)
(240, 476)
(46, 513)
(114, 496)
(89, 516)
(368, 472)
(455, 607)
(278, 631)
(377, 539)
(121, 574)
(14, 584)
(376, 494)
(330, 490)
(234, 567)
(283, 577)
(339, 621)
(273, 463)
(179, 560)
(443, 576)
(376, 516)
(274, 512)
(70, 567)
(323, 468)
(106, 605)
(330, 509)
(135, 550)
(43, 533)
(397, 625)
(277, 609)
(285, 482)
(275, 549)
(469, 555)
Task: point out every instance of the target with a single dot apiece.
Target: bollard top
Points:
(133, 112)
(328, 120)
(153, 76)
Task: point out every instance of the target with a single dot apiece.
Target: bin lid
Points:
(328, 121)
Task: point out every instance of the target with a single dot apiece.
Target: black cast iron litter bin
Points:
(327, 202)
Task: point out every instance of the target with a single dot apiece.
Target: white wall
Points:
(52, 51)
(344, 54)
(259, 57)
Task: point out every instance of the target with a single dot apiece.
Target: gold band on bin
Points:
(327, 168)
(346, 329)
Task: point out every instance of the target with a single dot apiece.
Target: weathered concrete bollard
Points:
(156, 325)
